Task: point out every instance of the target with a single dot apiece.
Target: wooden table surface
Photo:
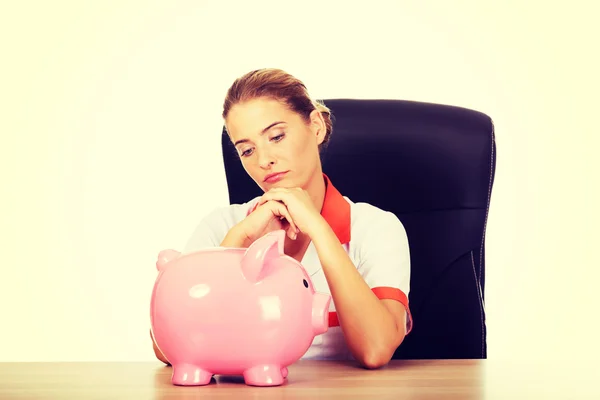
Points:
(425, 379)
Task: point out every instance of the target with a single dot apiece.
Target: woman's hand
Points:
(267, 217)
(299, 206)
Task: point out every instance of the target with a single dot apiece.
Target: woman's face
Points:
(272, 139)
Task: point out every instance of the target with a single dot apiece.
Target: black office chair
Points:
(433, 166)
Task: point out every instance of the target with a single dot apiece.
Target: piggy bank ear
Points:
(164, 257)
(260, 252)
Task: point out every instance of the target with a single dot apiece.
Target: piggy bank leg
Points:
(190, 375)
(284, 372)
(264, 375)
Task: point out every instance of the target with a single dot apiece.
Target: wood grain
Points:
(425, 379)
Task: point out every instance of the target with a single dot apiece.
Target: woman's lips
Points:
(275, 177)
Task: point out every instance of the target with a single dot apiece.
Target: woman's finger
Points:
(273, 195)
(281, 211)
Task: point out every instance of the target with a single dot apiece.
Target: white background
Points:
(110, 126)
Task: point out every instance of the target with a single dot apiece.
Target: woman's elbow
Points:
(380, 356)
(375, 359)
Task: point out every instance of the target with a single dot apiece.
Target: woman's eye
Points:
(246, 153)
(278, 137)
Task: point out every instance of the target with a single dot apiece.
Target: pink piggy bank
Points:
(235, 311)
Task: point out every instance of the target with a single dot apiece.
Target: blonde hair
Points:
(281, 86)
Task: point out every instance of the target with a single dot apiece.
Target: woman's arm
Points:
(373, 328)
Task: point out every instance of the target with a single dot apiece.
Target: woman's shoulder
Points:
(214, 226)
(371, 221)
(379, 246)
(367, 213)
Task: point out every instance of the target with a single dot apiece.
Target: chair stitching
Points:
(487, 208)
(480, 298)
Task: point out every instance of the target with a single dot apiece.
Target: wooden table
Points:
(427, 379)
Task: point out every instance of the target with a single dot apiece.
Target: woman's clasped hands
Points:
(281, 208)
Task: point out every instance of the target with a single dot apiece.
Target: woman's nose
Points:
(265, 159)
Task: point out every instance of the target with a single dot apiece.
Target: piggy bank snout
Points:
(320, 313)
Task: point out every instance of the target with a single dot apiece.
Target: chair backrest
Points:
(433, 166)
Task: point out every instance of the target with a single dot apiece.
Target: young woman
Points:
(356, 252)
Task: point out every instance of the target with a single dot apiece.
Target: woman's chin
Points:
(282, 184)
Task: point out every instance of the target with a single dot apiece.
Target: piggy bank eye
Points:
(305, 283)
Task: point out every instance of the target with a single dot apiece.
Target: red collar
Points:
(336, 211)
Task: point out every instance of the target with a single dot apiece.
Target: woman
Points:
(354, 251)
